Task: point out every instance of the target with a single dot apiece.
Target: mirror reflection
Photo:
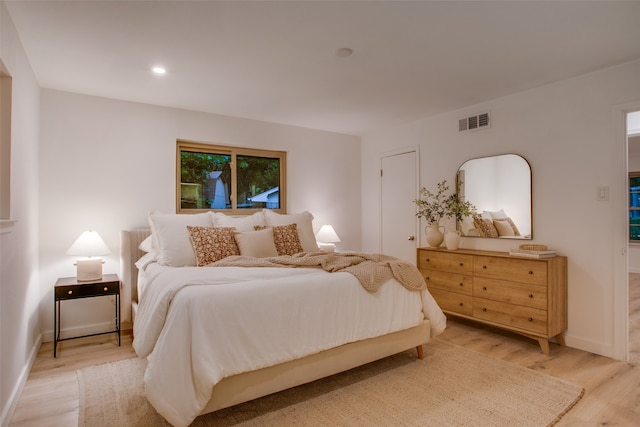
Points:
(500, 189)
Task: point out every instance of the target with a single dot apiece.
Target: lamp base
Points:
(327, 247)
(88, 270)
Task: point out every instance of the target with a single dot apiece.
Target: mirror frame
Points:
(525, 235)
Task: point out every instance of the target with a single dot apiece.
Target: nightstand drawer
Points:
(86, 290)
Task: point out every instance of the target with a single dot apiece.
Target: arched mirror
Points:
(500, 189)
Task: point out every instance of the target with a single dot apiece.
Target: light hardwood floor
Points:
(612, 388)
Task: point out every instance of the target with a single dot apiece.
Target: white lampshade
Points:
(327, 234)
(89, 245)
(326, 238)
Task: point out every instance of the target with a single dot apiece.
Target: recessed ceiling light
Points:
(159, 70)
(344, 52)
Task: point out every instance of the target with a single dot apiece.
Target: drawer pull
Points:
(461, 284)
(426, 278)
(462, 264)
(461, 304)
(106, 289)
(70, 292)
(428, 260)
(530, 319)
(484, 288)
(484, 267)
(530, 295)
(484, 308)
(531, 272)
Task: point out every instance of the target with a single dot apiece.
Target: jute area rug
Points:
(451, 386)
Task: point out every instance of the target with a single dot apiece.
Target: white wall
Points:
(105, 163)
(565, 130)
(19, 281)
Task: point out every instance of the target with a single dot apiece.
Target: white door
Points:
(398, 191)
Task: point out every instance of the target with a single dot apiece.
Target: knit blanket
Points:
(371, 270)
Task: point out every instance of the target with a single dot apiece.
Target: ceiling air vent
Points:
(479, 121)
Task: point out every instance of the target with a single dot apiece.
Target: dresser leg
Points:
(560, 340)
(544, 345)
(420, 351)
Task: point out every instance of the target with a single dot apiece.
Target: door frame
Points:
(410, 149)
(621, 233)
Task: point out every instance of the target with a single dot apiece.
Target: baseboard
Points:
(603, 349)
(14, 398)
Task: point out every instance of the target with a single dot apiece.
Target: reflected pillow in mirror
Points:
(485, 227)
(501, 214)
(508, 220)
(503, 227)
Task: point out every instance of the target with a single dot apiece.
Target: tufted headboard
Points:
(129, 254)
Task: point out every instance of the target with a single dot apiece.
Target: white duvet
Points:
(198, 325)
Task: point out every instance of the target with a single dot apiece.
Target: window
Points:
(634, 206)
(230, 179)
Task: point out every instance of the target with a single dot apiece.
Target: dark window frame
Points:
(233, 152)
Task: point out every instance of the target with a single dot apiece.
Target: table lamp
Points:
(327, 238)
(89, 246)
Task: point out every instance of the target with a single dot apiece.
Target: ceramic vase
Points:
(452, 240)
(434, 235)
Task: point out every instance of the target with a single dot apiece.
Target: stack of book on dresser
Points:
(533, 251)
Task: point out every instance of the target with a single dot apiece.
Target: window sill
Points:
(6, 225)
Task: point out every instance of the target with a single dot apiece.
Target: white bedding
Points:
(198, 325)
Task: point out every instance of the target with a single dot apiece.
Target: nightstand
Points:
(68, 288)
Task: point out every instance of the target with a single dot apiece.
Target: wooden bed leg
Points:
(420, 352)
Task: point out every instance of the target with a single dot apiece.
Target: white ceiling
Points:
(275, 61)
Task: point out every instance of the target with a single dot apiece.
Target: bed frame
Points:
(254, 384)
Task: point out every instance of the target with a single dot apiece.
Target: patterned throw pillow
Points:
(286, 239)
(516, 232)
(212, 243)
(485, 227)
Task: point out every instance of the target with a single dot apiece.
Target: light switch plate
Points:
(602, 194)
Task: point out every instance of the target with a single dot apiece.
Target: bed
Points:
(185, 375)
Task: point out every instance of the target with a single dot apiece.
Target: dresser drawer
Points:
(512, 269)
(453, 302)
(447, 261)
(452, 282)
(510, 292)
(516, 316)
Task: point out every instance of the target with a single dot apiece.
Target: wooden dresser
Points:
(523, 295)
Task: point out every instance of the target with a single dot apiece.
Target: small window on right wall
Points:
(634, 207)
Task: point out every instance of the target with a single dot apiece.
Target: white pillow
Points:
(257, 244)
(171, 238)
(504, 228)
(303, 220)
(497, 214)
(241, 223)
(147, 244)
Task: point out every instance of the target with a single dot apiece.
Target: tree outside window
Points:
(230, 179)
